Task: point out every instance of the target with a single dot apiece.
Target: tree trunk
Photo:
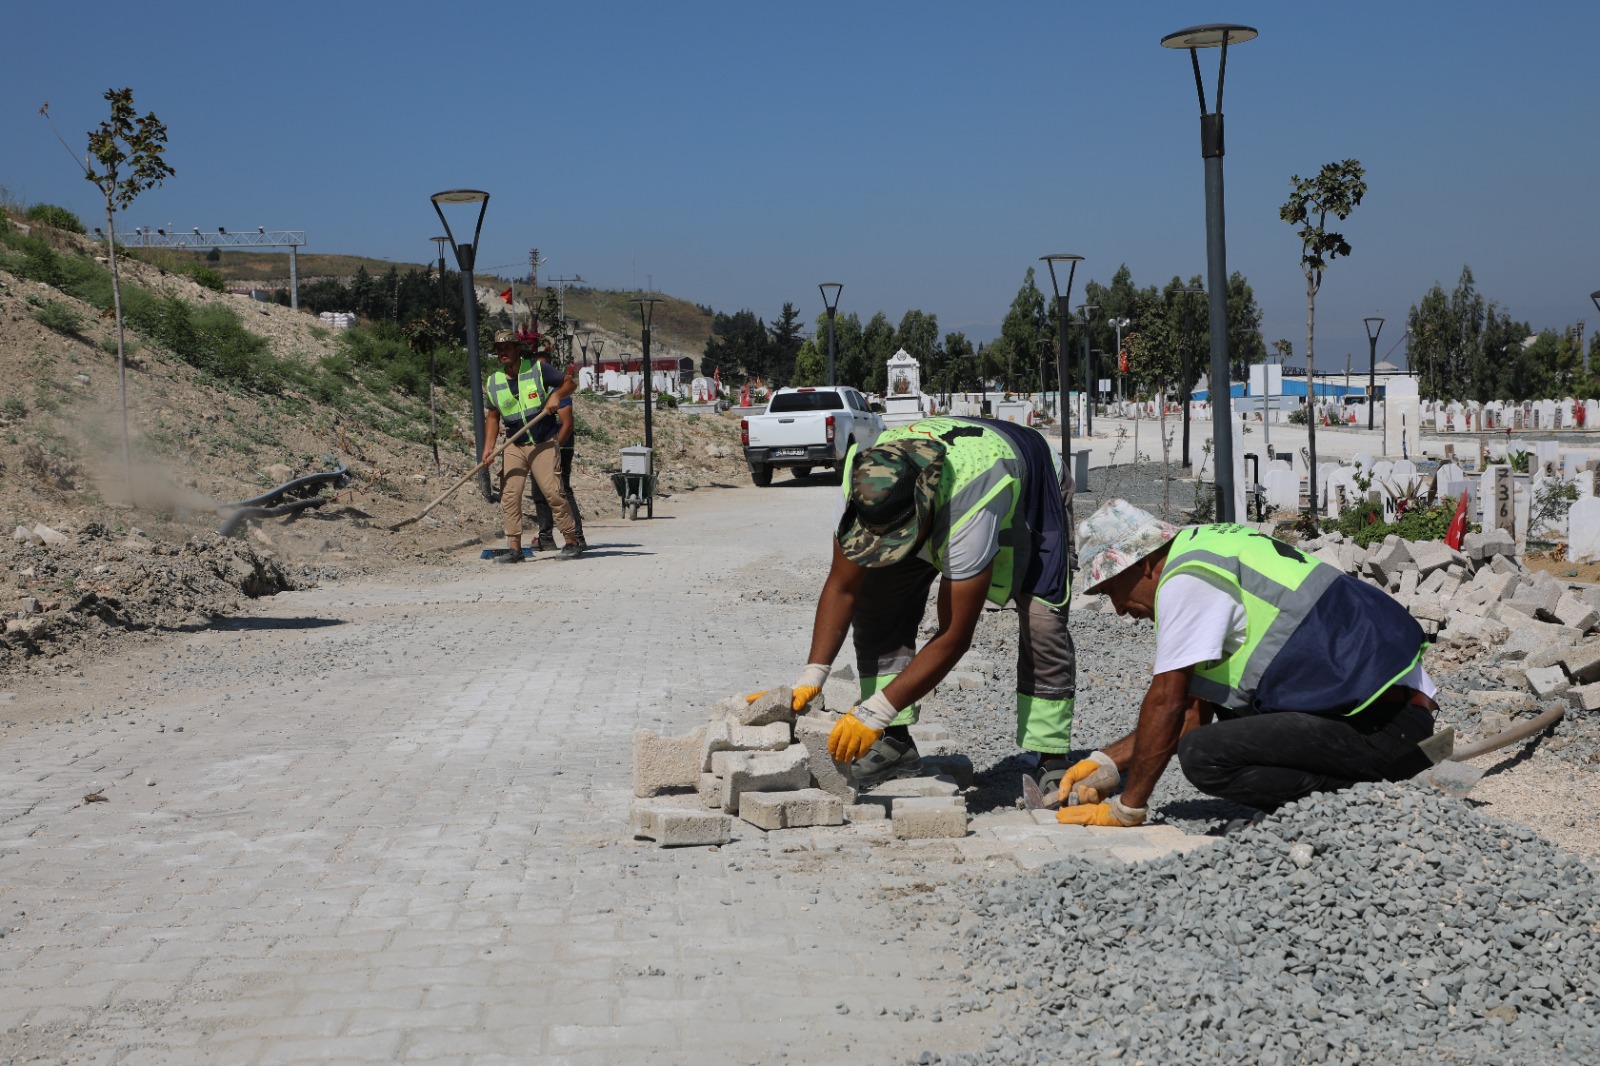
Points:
(1311, 393)
(122, 358)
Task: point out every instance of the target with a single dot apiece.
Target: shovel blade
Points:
(1453, 778)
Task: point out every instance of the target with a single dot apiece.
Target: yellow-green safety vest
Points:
(521, 404)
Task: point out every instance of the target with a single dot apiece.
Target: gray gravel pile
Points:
(1383, 923)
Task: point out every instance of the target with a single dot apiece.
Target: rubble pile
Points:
(760, 762)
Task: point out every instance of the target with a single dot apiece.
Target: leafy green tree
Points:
(738, 347)
(125, 158)
(1246, 347)
(1024, 329)
(919, 336)
(784, 341)
(850, 364)
(959, 361)
(810, 364)
(1337, 190)
(878, 345)
(1467, 347)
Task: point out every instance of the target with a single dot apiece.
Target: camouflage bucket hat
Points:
(1116, 537)
(889, 500)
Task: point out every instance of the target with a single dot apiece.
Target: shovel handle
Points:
(447, 493)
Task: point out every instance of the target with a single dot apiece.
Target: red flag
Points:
(1457, 530)
(506, 296)
(1122, 361)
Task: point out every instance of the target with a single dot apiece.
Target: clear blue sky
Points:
(925, 155)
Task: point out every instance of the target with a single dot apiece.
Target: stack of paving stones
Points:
(1384, 923)
(759, 762)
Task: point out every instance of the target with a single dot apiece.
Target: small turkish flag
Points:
(1122, 361)
(506, 296)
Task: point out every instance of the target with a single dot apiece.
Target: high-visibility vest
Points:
(518, 405)
(979, 464)
(1318, 640)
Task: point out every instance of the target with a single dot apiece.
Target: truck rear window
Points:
(805, 401)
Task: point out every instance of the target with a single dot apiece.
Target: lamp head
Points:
(1374, 326)
(830, 295)
(1209, 36)
(1071, 262)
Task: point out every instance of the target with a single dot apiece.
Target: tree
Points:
(958, 361)
(784, 343)
(878, 345)
(1337, 190)
(1026, 324)
(124, 159)
(1466, 346)
(919, 336)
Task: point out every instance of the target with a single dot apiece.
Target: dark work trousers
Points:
(888, 614)
(1267, 760)
(541, 508)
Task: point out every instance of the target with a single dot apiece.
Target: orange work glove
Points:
(861, 728)
(1108, 814)
(1089, 780)
(805, 689)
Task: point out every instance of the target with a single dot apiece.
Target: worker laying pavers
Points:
(985, 505)
(1316, 677)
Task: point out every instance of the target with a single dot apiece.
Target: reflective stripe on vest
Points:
(525, 402)
(979, 464)
(1278, 586)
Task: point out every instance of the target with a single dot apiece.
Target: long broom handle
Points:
(447, 493)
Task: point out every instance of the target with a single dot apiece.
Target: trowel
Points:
(1033, 797)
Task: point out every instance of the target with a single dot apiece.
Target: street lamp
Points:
(1086, 311)
(647, 311)
(1594, 296)
(466, 258)
(1374, 327)
(1062, 299)
(1119, 324)
(433, 357)
(1211, 150)
(439, 243)
(830, 300)
(1188, 368)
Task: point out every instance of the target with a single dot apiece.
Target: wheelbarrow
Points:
(635, 491)
(636, 482)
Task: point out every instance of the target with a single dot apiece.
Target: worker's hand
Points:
(851, 738)
(861, 728)
(809, 685)
(488, 454)
(1090, 780)
(1108, 814)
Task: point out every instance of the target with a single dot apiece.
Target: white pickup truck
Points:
(806, 428)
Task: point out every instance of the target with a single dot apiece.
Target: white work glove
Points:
(809, 685)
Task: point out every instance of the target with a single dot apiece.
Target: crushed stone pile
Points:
(1383, 923)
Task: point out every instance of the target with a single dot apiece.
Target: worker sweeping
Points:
(516, 394)
(984, 506)
(1315, 678)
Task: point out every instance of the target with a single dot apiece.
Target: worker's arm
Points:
(835, 607)
(568, 386)
(491, 433)
(564, 434)
(960, 606)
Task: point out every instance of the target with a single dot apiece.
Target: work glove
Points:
(1089, 780)
(861, 728)
(805, 689)
(1108, 814)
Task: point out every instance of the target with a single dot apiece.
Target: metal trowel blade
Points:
(1033, 797)
(1453, 778)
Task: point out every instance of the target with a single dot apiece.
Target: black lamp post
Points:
(1211, 150)
(647, 310)
(439, 243)
(466, 258)
(1188, 368)
(1594, 296)
(1085, 315)
(433, 356)
(1374, 327)
(830, 300)
(1062, 299)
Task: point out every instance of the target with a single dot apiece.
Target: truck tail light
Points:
(830, 429)
(744, 432)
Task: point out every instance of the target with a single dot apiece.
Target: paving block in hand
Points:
(776, 771)
(832, 777)
(680, 826)
(791, 810)
(661, 763)
(774, 705)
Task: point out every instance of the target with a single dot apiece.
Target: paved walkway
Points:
(386, 822)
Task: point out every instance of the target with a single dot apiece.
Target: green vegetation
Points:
(14, 408)
(57, 316)
(203, 276)
(1363, 522)
(59, 217)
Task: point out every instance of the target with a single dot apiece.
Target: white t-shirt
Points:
(1201, 623)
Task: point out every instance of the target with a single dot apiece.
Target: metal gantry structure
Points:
(293, 239)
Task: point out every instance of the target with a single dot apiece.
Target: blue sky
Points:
(924, 155)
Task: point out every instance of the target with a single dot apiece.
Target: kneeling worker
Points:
(984, 505)
(1315, 677)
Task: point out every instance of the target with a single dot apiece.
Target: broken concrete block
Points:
(1544, 597)
(1571, 611)
(774, 736)
(1408, 583)
(1552, 654)
(710, 789)
(680, 826)
(1429, 627)
(774, 705)
(956, 767)
(1497, 586)
(776, 771)
(1582, 662)
(866, 812)
(832, 777)
(1329, 554)
(1462, 628)
(1429, 608)
(1528, 636)
(1429, 586)
(928, 732)
(1390, 559)
(1431, 555)
(929, 819)
(50, 536)
(717, 737)
(1503, 564)
(1521, 607)
(1586, 697)
(660, 763)
(1502, 702)
(1449, 584)
(1548, 682)
(791, 810)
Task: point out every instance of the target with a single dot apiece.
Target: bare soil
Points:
(143, 557)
